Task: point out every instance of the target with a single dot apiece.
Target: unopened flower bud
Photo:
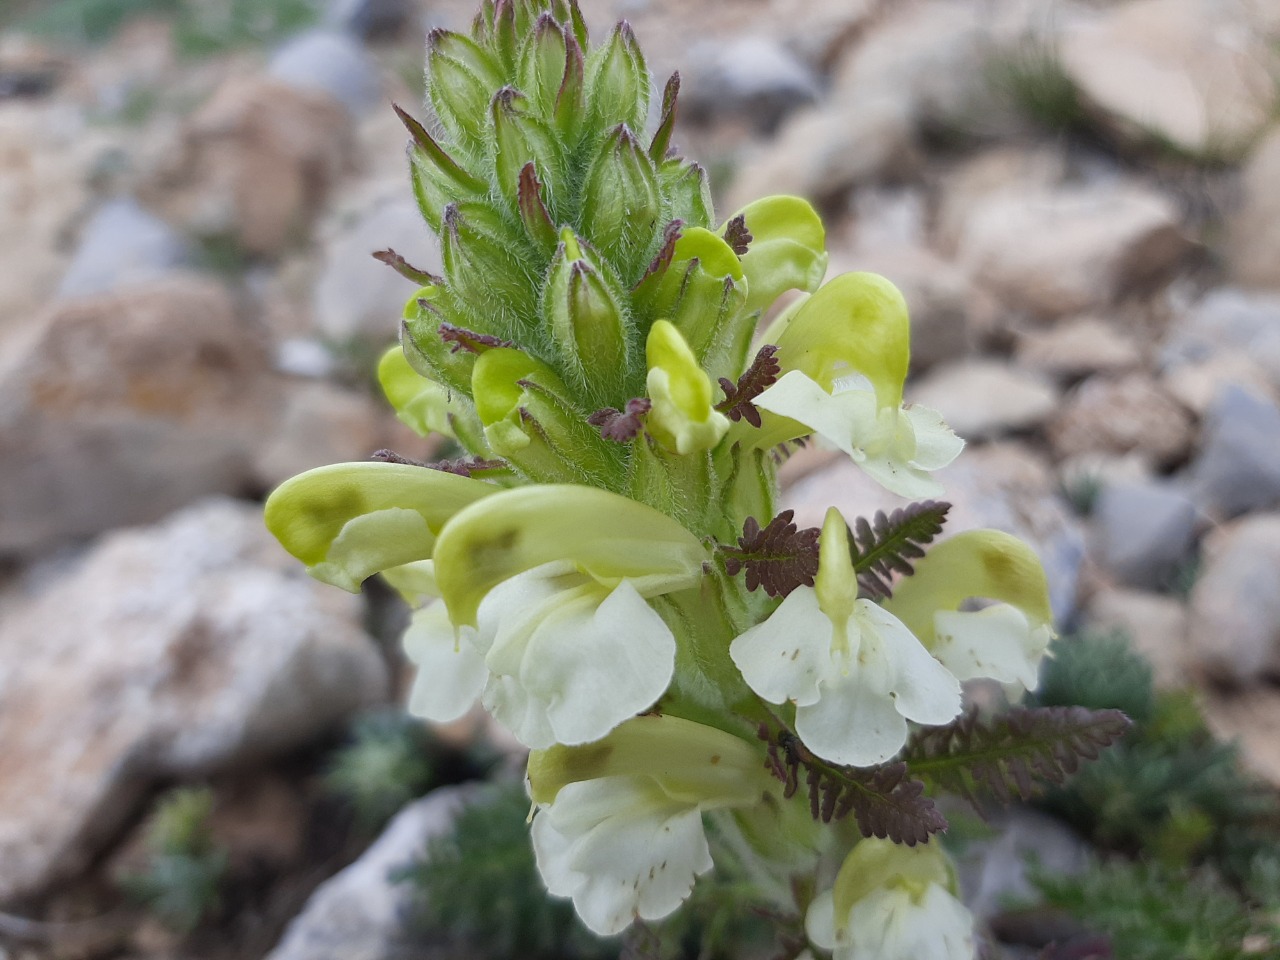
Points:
(618, 81)
(461, 78)
(688, 194)
(682, 418)
(621, 206)
(521, 138)
(481, 254)
(582, 307)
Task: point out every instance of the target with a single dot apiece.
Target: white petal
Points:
(621, 849)
(787, 656)
(512, 706)
(451, 672)
(594, 665)
(923, 689)
(847, 419)
(856, 722)
(936, 444)
(887, 924)
(995, 642)
(820, 921)
(901, 478)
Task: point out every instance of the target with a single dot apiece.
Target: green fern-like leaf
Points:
(886, 545)
(1006, 755)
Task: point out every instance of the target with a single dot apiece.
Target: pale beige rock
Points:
(1155, 623)
(46, 158)
(980, 399)
(1195, 385)
(966, 188)
(169, 652)
(1250, 718)
(255, 164)
(1070, 249)
(1193, 73)
(320, 423)
(914, 61)
(117, 409)
(1253, 229)
(1078, 348)
(1235, 604)
(1132, 413)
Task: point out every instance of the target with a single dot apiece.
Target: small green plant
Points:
(1153, 912)
(478, 885)
(388, 762)
(1031, 76)
(185, 867)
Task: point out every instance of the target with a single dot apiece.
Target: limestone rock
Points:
(980, 399)
(1238, 467)
(329, 62)
(1231, 335)
(1250, 718)
(995, 871)
(1155, 623)
(1253, 229)
(753, 75)
(1144, 533)
(1235, 604)
(1118, 416)
(122, 244)
(1193, 73)
(168, 652)
(255, 164)
(1078, 348)
(116, 409)
(356, 297)
(359, 914)
(1070, 249)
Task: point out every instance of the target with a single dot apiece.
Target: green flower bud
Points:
(682, 418)
(661, 141)
(512, 21)
(461, 80)
(621, 206)
(483, 266)
(543, 60)
(582, 307)
(437, 178)
(527, 420)
(687, 192)
(533, 211)
(425, 351)
(618, 81)
(569, 13)
(520, 137)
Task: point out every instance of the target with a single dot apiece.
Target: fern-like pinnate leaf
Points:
(886, 545)
(778, 556)
(1005, 755)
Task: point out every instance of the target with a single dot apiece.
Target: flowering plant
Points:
(607, 570)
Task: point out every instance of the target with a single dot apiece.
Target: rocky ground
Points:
(1078, 199)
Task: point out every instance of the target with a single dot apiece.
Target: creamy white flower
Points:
(892, 902)
(621, 848)
(619, 824)
(897, 446)
(1005, 641)
(854, 672)
(556, 657)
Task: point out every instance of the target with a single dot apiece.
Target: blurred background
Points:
(200, 748)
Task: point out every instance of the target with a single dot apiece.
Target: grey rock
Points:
(330, 62)
(1238, 468)
(1143, 533)
(122, 243)
(995, 871)
(1131, 414)
(1228, 320)
(1235, 605)
(1077, 348)
(359, 914)
(169, 652)
(371, 19)
(755, 76)
(1155, 623)
(981, 399)
(357, 298)
(119, 408)
(1071, 248)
